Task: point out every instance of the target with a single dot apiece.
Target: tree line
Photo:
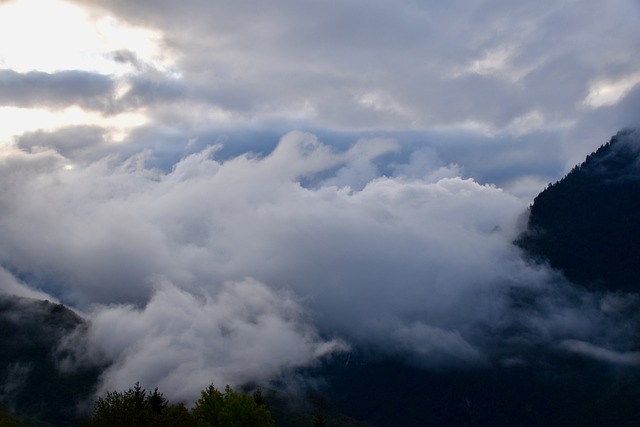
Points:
(138, 408)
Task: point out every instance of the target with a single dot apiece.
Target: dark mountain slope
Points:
(31, 383)
(558, 390)
(588, 223)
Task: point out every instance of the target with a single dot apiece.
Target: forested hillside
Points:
(32, 380)
(587, 224)
(36, 390)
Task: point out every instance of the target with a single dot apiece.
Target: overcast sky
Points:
(225, 180)
(514, 92)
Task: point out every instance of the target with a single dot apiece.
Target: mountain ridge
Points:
(586, 224)
(31, 381)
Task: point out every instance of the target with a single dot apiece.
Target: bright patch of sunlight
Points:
(54, 35)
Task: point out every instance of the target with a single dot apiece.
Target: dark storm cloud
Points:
(55, 90)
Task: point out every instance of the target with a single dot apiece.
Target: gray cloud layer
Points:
(506, 85)
(387, 65)
(58, 90)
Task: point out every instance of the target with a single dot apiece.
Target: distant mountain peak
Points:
(588, 223)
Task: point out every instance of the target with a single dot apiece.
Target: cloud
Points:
(599, 124)
(435, 344)
(76, 143)
(502, 86)
(55, 90)
(516, 58)
(147, 89)
(603, 354)
(9, 285)
(240, 269)
(244, 332)
(507, 82)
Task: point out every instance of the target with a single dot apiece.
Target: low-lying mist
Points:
(237, 270)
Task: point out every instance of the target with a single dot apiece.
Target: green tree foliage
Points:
(136, 408)
(587, 223)
(231, 409)
(156, 402)
(209, 406)
(257, 397)
(318, 420)
(8, 420)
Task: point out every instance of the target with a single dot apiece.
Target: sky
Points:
(230, 190)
